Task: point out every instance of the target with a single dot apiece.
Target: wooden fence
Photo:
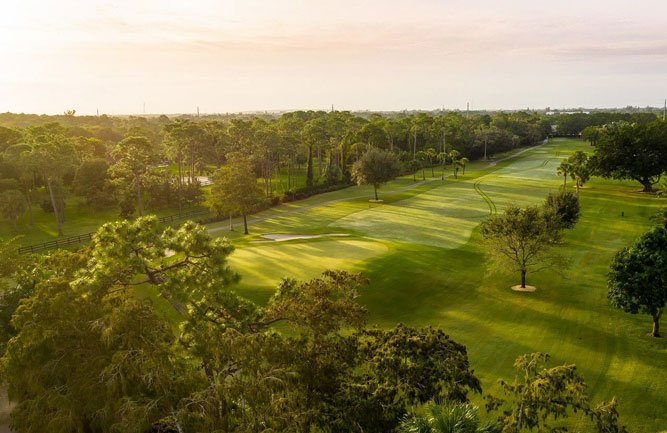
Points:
(87, 237)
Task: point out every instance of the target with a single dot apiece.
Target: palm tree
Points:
(453, 155)
(463, 161)
(563, 170)
(447, 418)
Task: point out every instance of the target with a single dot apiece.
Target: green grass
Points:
(423, 255)
(79, 219)
(260, 273)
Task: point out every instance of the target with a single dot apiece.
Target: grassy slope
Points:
(431, 270)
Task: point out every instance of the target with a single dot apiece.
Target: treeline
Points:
(137, 162)
(576, 123)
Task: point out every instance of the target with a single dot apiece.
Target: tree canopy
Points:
(638, 277)
(632, 151)
(376, 167)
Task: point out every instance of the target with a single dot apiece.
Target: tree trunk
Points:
(414, 147)
(564, 180)
(319, 158)
(231, 226)
(28, 196)
(432, 170)
(464, 170)
(423, 174)
(485, 157)
(245, 225)
(375, 189)
(55, 207)
(656, 323)
(309, 170)
(140, 204)
(523, 278)
(648, 187)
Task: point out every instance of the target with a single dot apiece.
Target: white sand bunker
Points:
(518, 288)
(280, 237)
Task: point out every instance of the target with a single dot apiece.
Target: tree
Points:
(454, 155)
(19, 155)
(521, 239)
(463, 161)
(432, 156)
(91, 181)
(83, 368)
(565, 205)
(539, 395)
(134, 157)
(375, 167)
(579, 168)
(563, 170)
(12, 205)
(638, 277)
(403, 367)
(422, 157)
(54, 156)
(447, 417)
(661, 217)
(632, 151)
(235, 189)
(314, 134)
(591, 133)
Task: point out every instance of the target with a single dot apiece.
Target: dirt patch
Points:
(518, 288)
(280, 237)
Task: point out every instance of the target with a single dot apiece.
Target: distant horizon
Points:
(290, 110)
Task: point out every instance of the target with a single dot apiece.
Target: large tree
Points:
(632, 151)
(540, 395)
(134, 157)
(235, 188)
(638, 277)
(54, 156)
(375, 167)
(521, 240)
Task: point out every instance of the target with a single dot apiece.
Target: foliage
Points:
(521, 239)
(133, 159)
(579, 168)
(447, 417)
(565, 206)
(92, 182)
(638, 277)
(541, 395)
(235, 190)
(12, 205)
(375, 167)
(632, 151)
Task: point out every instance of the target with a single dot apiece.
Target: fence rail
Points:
(87, 237)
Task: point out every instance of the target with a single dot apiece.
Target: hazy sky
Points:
(227, 56)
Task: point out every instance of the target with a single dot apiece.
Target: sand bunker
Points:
(280, 237)
(518, 288)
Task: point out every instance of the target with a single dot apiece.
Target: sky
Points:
(229, 56)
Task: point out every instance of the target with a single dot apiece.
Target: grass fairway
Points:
(421, 249)
(263, 266)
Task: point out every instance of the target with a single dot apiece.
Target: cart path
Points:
(326, 203)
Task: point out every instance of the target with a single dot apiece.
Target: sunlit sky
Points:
(229, 56)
